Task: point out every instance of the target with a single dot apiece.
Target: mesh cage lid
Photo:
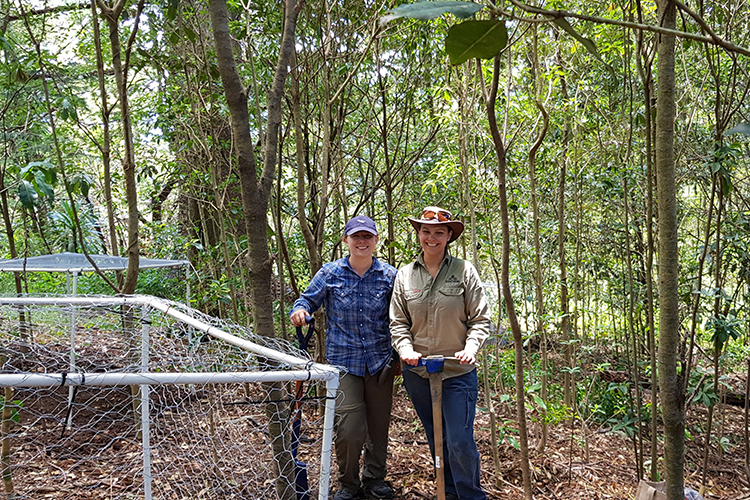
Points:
(72, 262)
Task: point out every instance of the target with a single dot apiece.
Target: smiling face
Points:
(361, 244)
(434, 238)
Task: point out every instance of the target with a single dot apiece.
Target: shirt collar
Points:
(376, 264)
(446, 259)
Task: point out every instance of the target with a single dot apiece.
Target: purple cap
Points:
(360, 223)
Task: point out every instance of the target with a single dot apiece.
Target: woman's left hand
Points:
(465, 358)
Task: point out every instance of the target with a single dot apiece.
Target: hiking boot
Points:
(345, 495)
(380, 489)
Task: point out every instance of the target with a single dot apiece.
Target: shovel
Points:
(435, 366)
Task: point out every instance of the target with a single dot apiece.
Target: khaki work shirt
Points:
(440, 315)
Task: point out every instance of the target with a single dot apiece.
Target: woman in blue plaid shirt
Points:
(356, 291)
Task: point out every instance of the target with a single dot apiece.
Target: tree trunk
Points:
(670, 383)
(256, 192)
(491, 99)
(631, 331)
(561, 230)
(106, 143)
(112, 15)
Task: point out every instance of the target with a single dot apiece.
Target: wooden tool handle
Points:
(436, 393)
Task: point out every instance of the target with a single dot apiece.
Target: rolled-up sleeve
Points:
(400, 325)
(313, 297)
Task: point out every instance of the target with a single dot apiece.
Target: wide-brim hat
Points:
(441, 217)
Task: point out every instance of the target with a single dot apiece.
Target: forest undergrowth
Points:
(561, 471)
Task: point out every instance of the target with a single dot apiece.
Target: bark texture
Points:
(670, 384)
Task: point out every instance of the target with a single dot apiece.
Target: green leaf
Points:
(27, 194)
(42, 186)
(432, 10)
(3, 42)
(480, 39)
(172, 9)
(84, 185)
(514, 442)
(540, 402)
(742, 128)
(726, 185)
(190, 34)
(534, 387)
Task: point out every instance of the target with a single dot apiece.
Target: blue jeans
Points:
(460, 454)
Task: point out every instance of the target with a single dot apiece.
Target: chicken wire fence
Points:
(137, 397)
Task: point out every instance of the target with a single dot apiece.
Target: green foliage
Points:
(507, 432)
(610, 404)
(475, 39)
(724, 161)
(724, 328)
(66, 228)
(563, 23)
(15, 407)
(37, 182)
(553, 411)
(703, 393)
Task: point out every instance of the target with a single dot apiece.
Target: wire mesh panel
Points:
(136, 397)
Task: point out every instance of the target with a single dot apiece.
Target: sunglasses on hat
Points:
(440, 215)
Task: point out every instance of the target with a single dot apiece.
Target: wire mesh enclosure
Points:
(136, 397)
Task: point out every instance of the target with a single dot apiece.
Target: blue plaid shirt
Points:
(357, 335)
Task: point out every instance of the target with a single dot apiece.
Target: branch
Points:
(356, 67)
(558, 14)
(131, 39)
(702, 23)
(49, 10)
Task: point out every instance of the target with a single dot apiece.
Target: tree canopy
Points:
(597, 154)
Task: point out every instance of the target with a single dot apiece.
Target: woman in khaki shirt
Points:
(439, 308)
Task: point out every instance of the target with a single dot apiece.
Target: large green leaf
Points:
(480, 39)
(742, 128)
(42, 187)
(27, 194)
(427, 10)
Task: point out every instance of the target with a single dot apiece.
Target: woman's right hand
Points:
(411, 358)
(298, 317)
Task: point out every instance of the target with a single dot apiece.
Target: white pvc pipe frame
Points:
(310, 371)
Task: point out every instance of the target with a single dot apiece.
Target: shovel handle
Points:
(436, 394)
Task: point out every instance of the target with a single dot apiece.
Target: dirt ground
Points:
(560, 471)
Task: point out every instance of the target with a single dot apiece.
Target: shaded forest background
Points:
(116, 138)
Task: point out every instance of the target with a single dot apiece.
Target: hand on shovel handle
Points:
(435, 365)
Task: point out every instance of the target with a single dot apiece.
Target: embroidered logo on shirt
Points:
(451, 279)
